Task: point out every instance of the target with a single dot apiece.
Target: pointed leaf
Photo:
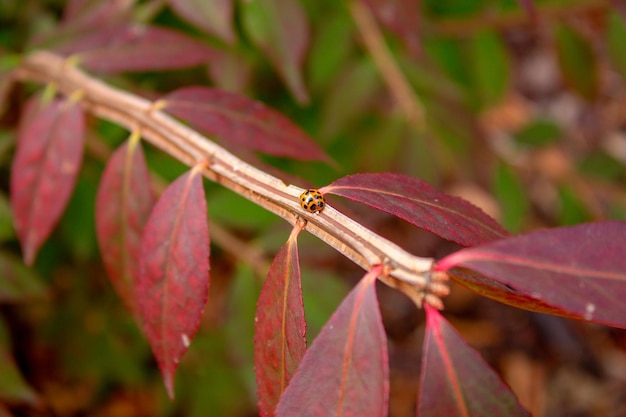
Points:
(13, 388)
(420, 204)
(115, 49)
(577, 272)
(123, 204)
(213, 16)
(456, 381)
(279, 339)
(345, 372)
(18, 283)
(82, 16)
(616, 49)
(242, 122)
(173, 282)
(92, 13)
(490, 67)
(281, 30)
(48, 157)
(577, 61)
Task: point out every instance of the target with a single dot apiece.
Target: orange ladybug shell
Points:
(312, 201)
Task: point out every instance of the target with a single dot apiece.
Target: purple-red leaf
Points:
(242, 122)
(577, 272)
(279, 339)
(281, 30)
(213, 16)
(420, 204)
(173, 282)
(345, 371)
(94, 13)
(115, 49)
(456, 381)
(48, 157)
(123, 204)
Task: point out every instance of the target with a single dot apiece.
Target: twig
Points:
(398, 85)
(406, 272)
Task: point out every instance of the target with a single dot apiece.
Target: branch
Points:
(404, 271)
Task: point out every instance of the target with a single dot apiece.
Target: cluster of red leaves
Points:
(157, 256)
(157, 253)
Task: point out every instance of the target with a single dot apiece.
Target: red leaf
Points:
(213, 16)
(92, 13)
(401, 17)
(281, 30)
(577, 271)
(420, 204)
(48, 157)
(115, 49)
(345, 372)
(456, 381)
(173, 282)
(279, 340)
(242, 122)
(123, 205)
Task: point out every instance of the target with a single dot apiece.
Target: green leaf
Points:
(512, 197)
(352, 93)
(490, 67)
(7, 232)
(330, 50)
(322, 293)
(539, 133)
(13, 388)
(573, 210)
(448, 55)
(231, 210)
(577, 61)
(78, 222)
(280, 29)
(239, 328)
(17, 282)
(602, 166)
(615, 37)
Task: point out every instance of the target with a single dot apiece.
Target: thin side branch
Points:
(406, 272)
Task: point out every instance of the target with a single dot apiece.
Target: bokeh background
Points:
(517, 106)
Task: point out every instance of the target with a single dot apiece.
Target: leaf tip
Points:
(168, 381)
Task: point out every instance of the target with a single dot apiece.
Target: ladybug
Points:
(312, 201)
